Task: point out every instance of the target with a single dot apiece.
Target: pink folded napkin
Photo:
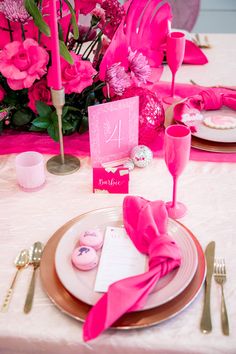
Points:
(209, 99)
(146, 224)
(193, 54)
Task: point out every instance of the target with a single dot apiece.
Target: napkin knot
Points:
(212, 99)
(146, 224)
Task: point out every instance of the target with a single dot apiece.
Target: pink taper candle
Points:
(55, 50)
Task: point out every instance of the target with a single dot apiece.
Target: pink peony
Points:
(23, 63)
(39, 92)
(2, 93)
(78, 76)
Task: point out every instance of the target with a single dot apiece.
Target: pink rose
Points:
(23, 63)
(78, 76)
(2, 93)
(39, 92)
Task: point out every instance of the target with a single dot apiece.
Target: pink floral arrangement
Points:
(97, 63)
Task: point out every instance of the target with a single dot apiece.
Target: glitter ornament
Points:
(141, 155)
(151, 113)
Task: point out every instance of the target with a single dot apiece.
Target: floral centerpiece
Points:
(96, 62)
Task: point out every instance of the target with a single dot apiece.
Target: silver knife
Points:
(206, 325)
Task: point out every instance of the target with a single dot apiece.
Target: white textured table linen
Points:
(209, 191)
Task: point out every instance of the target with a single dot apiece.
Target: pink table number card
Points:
(113, 129)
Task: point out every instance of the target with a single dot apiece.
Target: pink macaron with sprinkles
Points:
(84, 258)
(91, 238)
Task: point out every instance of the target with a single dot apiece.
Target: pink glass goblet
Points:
(177, 151)
(175, 47)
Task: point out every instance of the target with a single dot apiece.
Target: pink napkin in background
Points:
(193, 54)
(146, 224)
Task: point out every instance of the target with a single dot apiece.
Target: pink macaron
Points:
(84, 258)
(91, 238)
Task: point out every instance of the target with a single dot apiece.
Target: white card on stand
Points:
(119, 259)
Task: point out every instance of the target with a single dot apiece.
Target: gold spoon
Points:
(21, 261)
(35, 259)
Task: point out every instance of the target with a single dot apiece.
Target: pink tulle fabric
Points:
(146, 225)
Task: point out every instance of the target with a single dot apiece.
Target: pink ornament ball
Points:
(151, 113)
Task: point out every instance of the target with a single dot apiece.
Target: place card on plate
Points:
(111, 180)
(113, 129)
(119, 259)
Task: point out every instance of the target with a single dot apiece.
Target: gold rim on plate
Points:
(202, 144)
(78, 310)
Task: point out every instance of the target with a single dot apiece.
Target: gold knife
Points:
(206, 325)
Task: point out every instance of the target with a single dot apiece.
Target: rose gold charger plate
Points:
(78, 310)
(199, 143)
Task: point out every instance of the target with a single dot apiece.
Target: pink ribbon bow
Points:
(146, 225)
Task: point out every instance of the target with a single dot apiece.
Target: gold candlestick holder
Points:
(62, 164)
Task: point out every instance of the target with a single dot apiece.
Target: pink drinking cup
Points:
(177, 148)
(175, 48)
(30, 170)
(177, 151)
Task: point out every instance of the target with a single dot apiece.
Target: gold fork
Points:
(199, 43)
(220, 278)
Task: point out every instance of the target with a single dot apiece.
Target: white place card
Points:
(119, 259)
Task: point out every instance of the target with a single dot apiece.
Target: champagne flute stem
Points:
(173, 85)
(174, 191)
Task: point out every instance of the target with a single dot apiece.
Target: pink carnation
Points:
(39, 92)
(78, 76)
(2, 93)
(139, 66)
(23, 63)
(117, 79)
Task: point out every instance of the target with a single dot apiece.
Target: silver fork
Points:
(220, 278)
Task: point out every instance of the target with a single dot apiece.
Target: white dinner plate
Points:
(81, 283)
(213, 134)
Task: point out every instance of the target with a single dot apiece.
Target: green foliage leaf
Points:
(60, 32)
(73, 20)
(36, 129)
(43, 109)
(41, 122)
(65, 53)
(66, 126)
(53, 132)
(84, 125)
(54, 118)
(22, 117)
(33, 10)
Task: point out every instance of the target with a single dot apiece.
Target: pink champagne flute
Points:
(175, 47)
(177, 151)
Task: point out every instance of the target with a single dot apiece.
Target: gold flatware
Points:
(205, 324)
(21, 261)
(35, 259)
(220, 278)
(232, 88)
(199, 43)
